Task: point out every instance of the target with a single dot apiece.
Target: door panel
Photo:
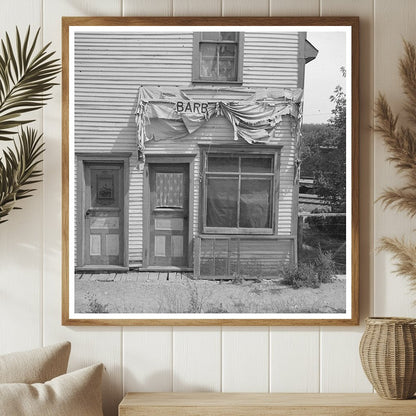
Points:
(104, 213)
(169, 209)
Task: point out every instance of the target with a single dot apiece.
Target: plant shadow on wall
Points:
(26, 78)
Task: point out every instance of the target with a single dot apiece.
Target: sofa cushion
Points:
(73, 394)
(35, 366)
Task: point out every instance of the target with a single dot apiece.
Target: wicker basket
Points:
(388, 356)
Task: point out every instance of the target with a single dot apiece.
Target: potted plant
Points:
(388, 346)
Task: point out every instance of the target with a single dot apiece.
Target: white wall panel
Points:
(341, 370)
(245, 8)
(22, 235)
(196, 359)
(20, 13)
(245, 359)
(147, 359)
(294, 351)
(147, 7)
(294, 8)
(203, 7)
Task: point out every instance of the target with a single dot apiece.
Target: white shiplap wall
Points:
(228, 359)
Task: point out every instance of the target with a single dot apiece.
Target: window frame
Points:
(196, 77)
(253, 150)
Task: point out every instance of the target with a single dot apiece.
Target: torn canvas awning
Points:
(173, 113)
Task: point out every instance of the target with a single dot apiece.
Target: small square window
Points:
(218, 57)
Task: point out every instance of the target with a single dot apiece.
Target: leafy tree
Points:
(324, 154)
(315, 137)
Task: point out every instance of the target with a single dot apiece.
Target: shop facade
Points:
(187, 151)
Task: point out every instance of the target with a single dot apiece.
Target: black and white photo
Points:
(210, 173)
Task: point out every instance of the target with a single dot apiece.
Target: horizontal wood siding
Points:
(109, 68)
(285, 136)
(135, 213)
(271, 60)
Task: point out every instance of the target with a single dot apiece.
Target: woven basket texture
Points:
(388, 356)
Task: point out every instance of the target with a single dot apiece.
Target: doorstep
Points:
(101, 269)
(166, 269)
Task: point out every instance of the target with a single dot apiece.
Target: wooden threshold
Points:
(102, 269)
(228, 277)
(166, 269)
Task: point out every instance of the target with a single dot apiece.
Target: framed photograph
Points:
(210, 171)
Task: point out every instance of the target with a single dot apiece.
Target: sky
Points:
(323, 74)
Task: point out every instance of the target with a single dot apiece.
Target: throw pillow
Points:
(35, 366)
(73, 394)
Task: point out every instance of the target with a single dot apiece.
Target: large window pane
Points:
(255, 203)
(209, 61)
(222, 164)
(228, 62)
(209, 67)
(257, 164)
(228, 51)
(227, 69)
(222, 202)
(208, 50)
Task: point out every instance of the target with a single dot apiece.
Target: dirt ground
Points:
(204, 296)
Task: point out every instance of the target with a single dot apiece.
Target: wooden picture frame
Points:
(127, 90)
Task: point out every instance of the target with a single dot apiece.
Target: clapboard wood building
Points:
(186, 150)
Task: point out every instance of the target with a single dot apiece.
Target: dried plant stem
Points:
(405, 255)
(401, 144)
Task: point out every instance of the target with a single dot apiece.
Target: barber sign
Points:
(191, 107)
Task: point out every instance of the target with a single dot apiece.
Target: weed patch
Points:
(311, 274)
(94, 306)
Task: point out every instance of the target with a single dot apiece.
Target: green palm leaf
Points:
(26, 78)
(19, 170)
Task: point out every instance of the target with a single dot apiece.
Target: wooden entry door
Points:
(169, 210)
(104, 213)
